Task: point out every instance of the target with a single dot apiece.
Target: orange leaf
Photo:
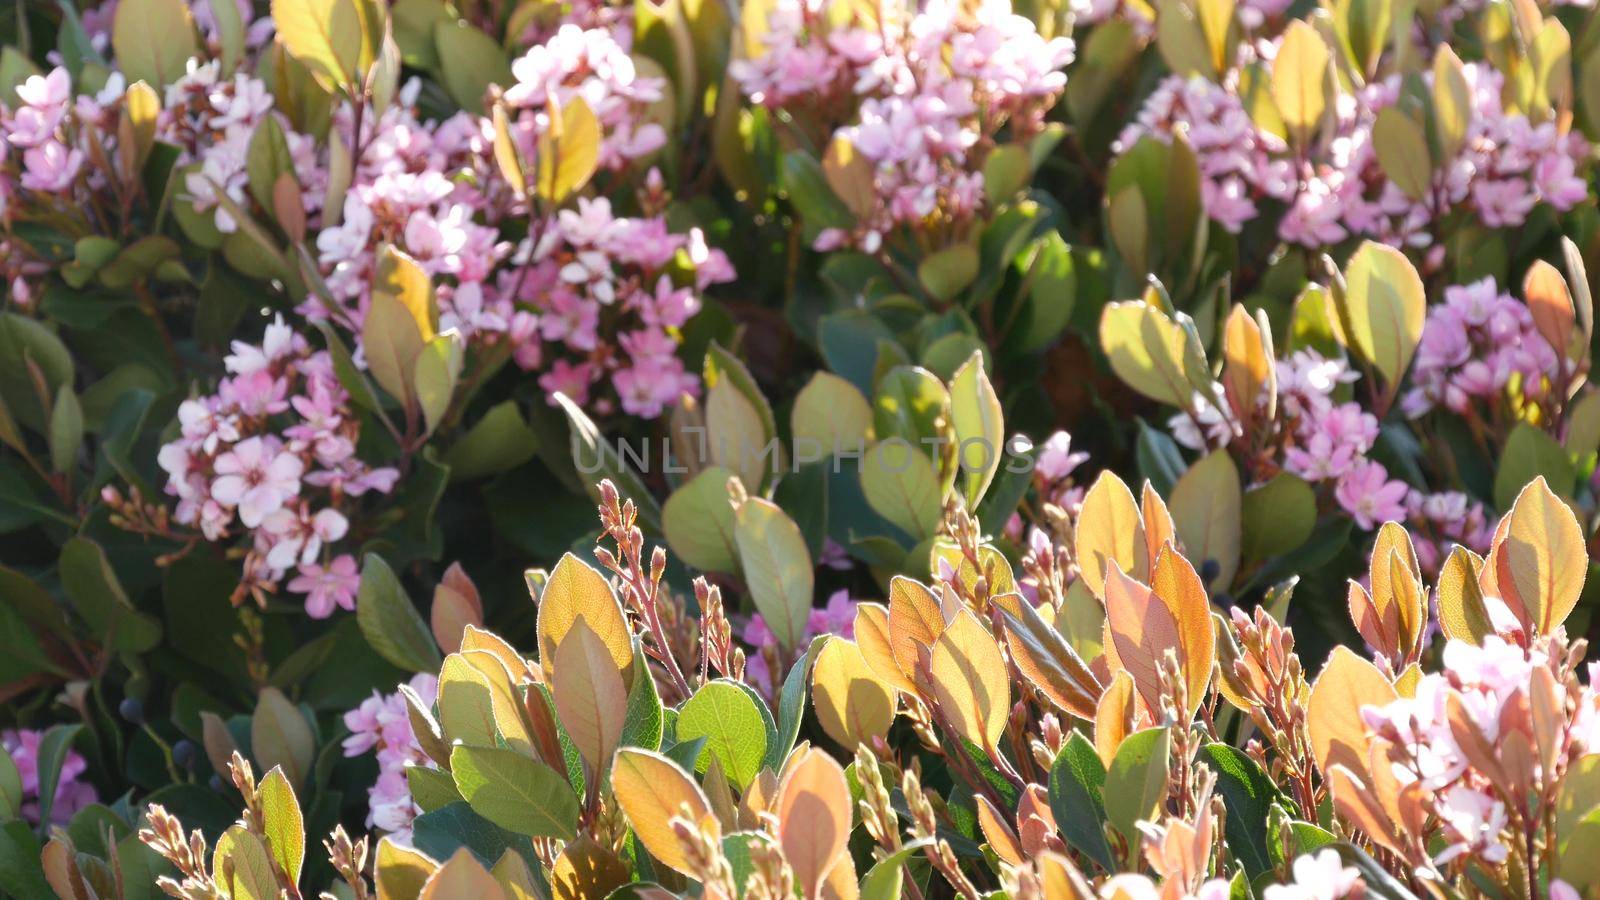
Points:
(970, 680)
(813, 818)
(915, 622)
(1109, 530)
(1541, 563)
(590, 697)
(577, 591)
(1113, 719)
(652, 790)
(1548, 299)
(872, 638)
(1333, 714)
(461, 876)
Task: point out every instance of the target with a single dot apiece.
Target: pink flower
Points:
(257, 479)
(22, 745)
(1368, 495)
(328, 587)
(50, 167)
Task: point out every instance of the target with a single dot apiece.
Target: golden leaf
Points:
(970, 681)
(853, 704)
(915, 623)
(1462, 614)
(872, 639)
(652, 790)
(1300, 79)
(1109, 530)
(585, 869)
(1541, 562)
(462, 876)
(577, 591)
(1333, 715)
(1113, 718)
(401, 871)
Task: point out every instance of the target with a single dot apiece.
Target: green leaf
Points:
(642, 724)
(1077, 783)
(900, 484)
(792, 704)
(498, 442)
(698, 522)
(92, 586)
(1384, 307)
(514, 792)
(66, 431)
(322, 35)
(883, 880)
(777, 568)
(283, 823)
(948, 272)
(431, 788)
(1207, 513)
(596, 459)
(734, 729)
(441, 833)
(51, 756)
(1136, 782)
(10, 787)
(267, 158)
(910, 403)
(20, 872)
(280, 736)
(1249, 794)
(1529, 453)
(390, 623)
(153, 40)
(979, 428)
(469, 61)
(1278, 516)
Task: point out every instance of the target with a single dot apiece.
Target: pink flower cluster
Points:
(838, 617)
(382, 723)
(1506, 166)
(933, 92)
(1476, 345)
(1238, 161)
(1439, 521)
(274, 452)
(1490, 684)
(591, 273)
(1325, 440)
(22, 745)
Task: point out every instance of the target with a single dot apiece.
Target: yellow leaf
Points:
(1113, 716)
(915, 623)
(970, 680)
(1333, 714)
(585, 869)
(850, 175)
(577, 592)
(514, 876)
(506, 154)
(462, 876)
(1541, 563)
(1146, 349)
(1452, 101)
(476, 638)
(1462, 615)
(853, 704)
(401, 871)
(1300, 78)
(401, 277)
(1207, 510)
(590, 697)
(322, 35)
(652, 790)
(1385, 307)
(569, 152)
(813, 812)
(1110, 529)
(1248, 371)
(1158, 525)
(466, 702)
(872, 640)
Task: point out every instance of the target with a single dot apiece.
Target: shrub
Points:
(329, 325)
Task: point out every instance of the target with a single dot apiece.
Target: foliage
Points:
(314, 307)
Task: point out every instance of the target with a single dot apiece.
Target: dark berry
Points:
(132, 711)
(183, 753)
(1209, 570)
